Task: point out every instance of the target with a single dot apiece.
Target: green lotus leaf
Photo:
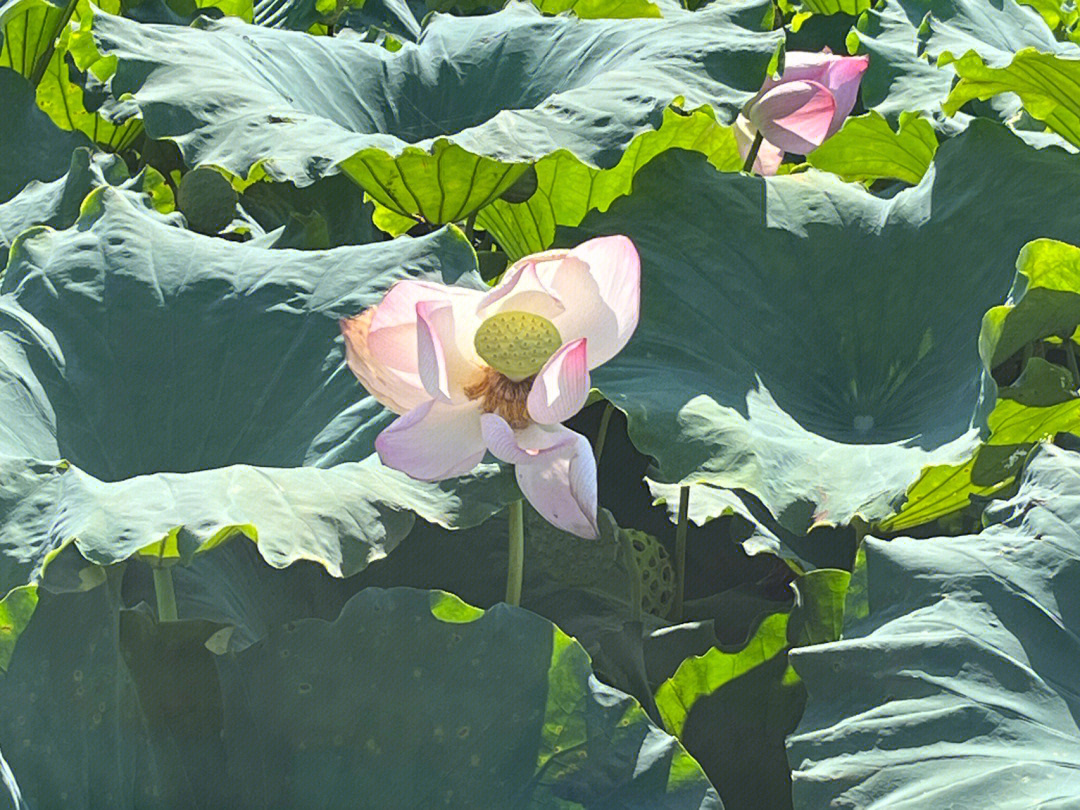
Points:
(902, 38)
(867, 148)
(39, 38)
(1045, 83)
(306, 721)
(57, 204)
(850, 7)
(1042, 404)
(813, 344)
(733, 709)
(441, 128)
(31, 146)
(568, 189)
(219, 404)
(1044, 301)
(959, 687)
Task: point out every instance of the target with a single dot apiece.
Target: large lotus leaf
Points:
(410, 699)
(733, 708)
(38, 42)
(959, 689)
(57, 204)
(867, 148)
(814, 344)
(903, 36)
(219, 403)
(567, 189)
(1045, 83)
(31, 146)
(440, 128)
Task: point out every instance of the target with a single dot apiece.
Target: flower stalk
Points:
(751, 156)
(515, 564)
(680, 553)
(166, 594)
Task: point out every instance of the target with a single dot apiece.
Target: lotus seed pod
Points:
(565, 558)
(207, 200)
(517, 344)
(656, 572)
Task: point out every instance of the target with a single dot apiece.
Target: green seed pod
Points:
(656, 572)
(207, 200)
(517, 343)
(563, 557)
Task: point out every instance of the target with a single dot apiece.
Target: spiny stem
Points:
(751, 156)
(601, 435)
(166, 594)
(516, 562)
(680, 553)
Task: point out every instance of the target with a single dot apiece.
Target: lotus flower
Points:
(798, 111)
(471, 371)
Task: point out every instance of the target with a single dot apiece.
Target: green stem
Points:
(601, 434)
(166, 594)
(42, 63)
(1070, 358)
(633, 576)
(680, 553)
(470, 227)
(751, 156)
(516, 562)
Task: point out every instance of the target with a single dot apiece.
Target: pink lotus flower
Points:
(472, 371)
(798, 111)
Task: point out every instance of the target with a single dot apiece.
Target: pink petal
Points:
(562, 385)
(442, 367)
(794, 116)
(555, 469)
(845, 75)
(433, 441)
(768, 157)
(803, 66)
(393, 332)
(599, 281)
(400, 391)
(521, 289)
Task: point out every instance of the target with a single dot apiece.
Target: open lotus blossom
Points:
(472, 371)
(798, 111)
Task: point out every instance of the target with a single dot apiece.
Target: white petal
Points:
(443, 369)
(562, 385)
(599, 282)
(398, 390)
(522, 289)
(433, 441)
(555, 469)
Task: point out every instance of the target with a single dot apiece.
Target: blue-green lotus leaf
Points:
(814, 344)
(958, 689)
(158, 384)
(438, 128)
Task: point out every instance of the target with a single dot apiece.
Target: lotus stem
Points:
(166, 594)
(1070, 358)
(470, 227)
(751, 156)
(633, 575)
(601, 434)
(680, 553)
(42, 63)
(516, 561)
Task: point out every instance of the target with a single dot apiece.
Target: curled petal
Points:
(442, 367)
(555, 469)
(433, 441)
(392, 338)
(398, 390)
(768, 158)
(562, 385)
(599, 281)
(794, 116)
(840, 74)
(522, 289)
